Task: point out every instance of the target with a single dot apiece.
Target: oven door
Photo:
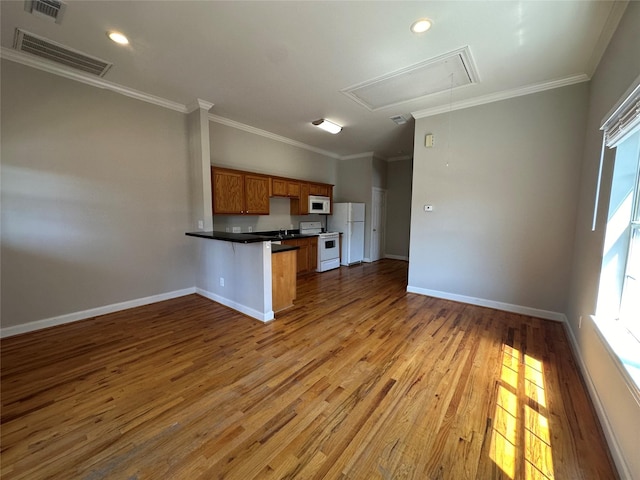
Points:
(328, 248)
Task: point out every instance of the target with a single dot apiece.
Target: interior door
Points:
(378, 216)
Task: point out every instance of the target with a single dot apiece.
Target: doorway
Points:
(378, 221)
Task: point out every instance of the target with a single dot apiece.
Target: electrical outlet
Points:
(236, 229)
(200, 224)
(222, 281)
(250, 229)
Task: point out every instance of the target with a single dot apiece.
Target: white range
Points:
(328, 245)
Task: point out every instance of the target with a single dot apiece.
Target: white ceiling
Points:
(277, 66)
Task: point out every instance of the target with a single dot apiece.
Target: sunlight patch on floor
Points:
(521, 439)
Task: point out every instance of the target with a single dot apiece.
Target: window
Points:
(618, 308)
(630, 302)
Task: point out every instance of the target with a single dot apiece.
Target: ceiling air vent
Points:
(44, 48)
(440, 74)
(399, 119)
(49, 9)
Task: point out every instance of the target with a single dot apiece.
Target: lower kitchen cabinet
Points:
(283, 279)
(307, 258)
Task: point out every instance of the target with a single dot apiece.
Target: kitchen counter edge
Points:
(243, 238)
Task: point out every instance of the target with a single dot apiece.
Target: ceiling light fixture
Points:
(421, 25)
(327, 126)
(118, 37)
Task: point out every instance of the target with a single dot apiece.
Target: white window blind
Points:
(625, 122)
(621, 122)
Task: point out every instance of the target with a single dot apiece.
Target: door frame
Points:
(382, 228)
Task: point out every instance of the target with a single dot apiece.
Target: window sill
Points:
(624, 348)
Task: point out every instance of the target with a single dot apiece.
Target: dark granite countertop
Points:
(251, 238)
(291, 234)
(231, 237)
(276, 248)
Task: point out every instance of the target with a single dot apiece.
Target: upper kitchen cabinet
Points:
(321, 190)
(300, 206)
(284, 187)
(239, 193)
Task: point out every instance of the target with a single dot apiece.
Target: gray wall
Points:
(355, 182)
(379, 172)
(505, 197)
(399, 175)
(618, 69)
(95, 198)
(235, 148)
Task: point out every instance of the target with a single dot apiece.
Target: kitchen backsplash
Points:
(278, 218)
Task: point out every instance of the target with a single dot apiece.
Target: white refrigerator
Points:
(348, 219)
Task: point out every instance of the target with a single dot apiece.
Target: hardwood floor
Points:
(359, 380)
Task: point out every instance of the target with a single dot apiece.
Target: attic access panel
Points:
(449, 71)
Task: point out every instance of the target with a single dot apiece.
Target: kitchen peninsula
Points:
(237, 270)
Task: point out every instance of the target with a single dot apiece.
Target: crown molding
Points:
(503, 95)
(263, 133)
(50, 67)
(54, 68)
(199, 104)
(357, 155)
(618, 8)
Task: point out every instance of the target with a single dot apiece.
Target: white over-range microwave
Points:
(319, 204)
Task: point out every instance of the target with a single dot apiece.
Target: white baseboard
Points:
(508, 307)
(93, 312)
(614, 446)
(396, 257)
(251, 312)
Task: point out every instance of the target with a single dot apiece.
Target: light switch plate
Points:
(428, 140)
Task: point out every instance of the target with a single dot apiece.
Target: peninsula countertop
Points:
(231, 237)
(244, 238)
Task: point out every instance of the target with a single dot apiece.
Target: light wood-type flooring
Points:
(359, 380)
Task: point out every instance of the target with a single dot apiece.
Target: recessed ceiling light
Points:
(327, 126)
(118, 37)
(421, 25)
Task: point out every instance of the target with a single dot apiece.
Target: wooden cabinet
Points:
(283, 279)
(284, 187)
(239, 193)
(307, 254)
(300, 206)
(320, 189)
(313, 254)
(228, 192)
(256, 191)
(236, 192)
